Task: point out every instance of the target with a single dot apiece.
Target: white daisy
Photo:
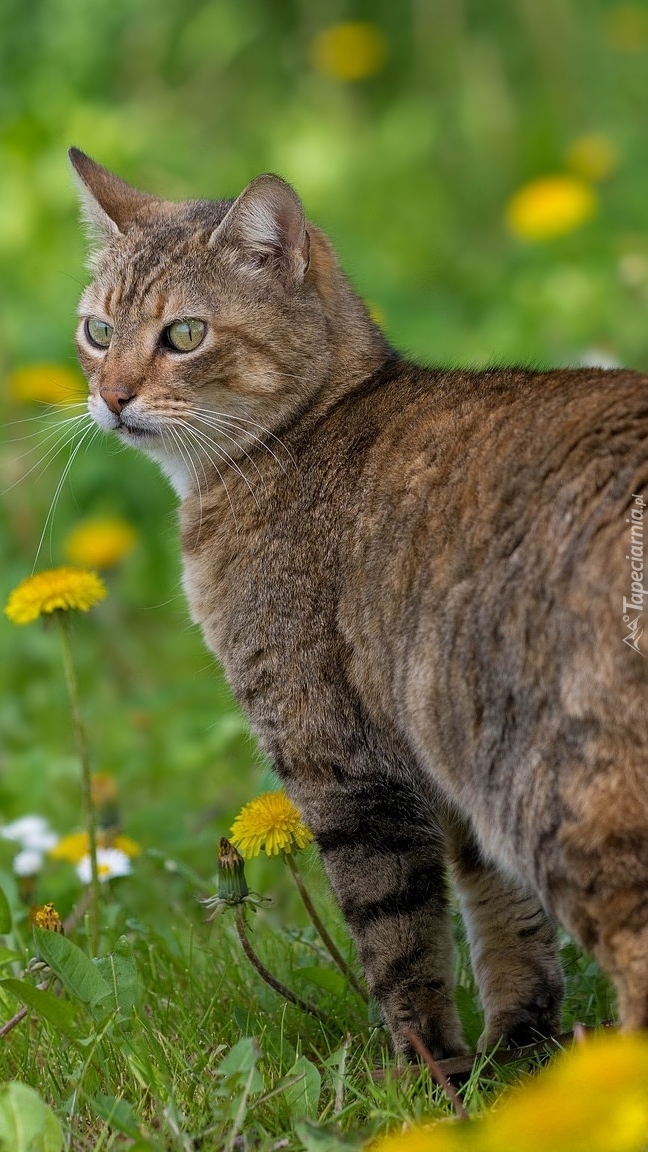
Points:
(28, 862)
(111, 862)
(31, 832)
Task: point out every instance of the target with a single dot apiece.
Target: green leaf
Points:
(119, 970)
(77, 973)
(325, 1139)
(7, 956)
(57, 1012)
(326, 978)
(303, 1097)
(26, 1122)
(118, 1114)
(5, 914)
(240, 1059)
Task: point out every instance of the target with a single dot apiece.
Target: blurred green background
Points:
(409, 129)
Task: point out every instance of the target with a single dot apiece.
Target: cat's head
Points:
(208, 323)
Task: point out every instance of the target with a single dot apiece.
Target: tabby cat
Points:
(425, 586)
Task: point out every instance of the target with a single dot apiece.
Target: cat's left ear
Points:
(108, 204)
(266, 229)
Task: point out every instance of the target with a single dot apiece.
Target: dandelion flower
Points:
(350, 51)
(271, 822)
(31, 832)
(46, 917)
(111, 863)
(47, 383)
(100, 543)
(550, 206)
(54, 589)
(27, 862)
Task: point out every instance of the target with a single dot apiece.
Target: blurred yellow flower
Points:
(270, 821)
(45, 916)
(103, 788)
(550, 207)
(626, 27)
(49, 383)
(429, 1138)
(592, 157)
(349, 51)
(592, 1099)
(100, 543)
(52, 590)
(76, 846)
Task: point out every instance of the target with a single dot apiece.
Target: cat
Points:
(425, 587)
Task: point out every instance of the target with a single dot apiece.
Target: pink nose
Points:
(116, 396)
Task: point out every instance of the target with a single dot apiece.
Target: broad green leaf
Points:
(5, 914)
(303, 1097)
(27, 1124)
(326, 1139)
(59, 1013)
(326, 978)
(118, 1114)
(243, 1056)
(119, 970)
(77, 973)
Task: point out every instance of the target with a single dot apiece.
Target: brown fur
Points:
(414, 580)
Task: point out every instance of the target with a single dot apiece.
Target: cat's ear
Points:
(266, 228)
(108, 204)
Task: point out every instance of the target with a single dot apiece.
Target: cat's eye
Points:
(98, 332)
(185, 335)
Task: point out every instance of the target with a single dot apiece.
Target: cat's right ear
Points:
(108, 204)
(266, 230)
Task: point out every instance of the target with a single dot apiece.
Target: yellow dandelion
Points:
(53, 590)
(76, 846)
(350, 51)
(100, 543)
(550, 206)
(271, 822)
(592, 1099)
(45, 916)
(426, 1138)
(47, 383)
(592, 157)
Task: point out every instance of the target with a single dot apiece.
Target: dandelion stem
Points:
(326, 939)
(86, 788)
(281, 989)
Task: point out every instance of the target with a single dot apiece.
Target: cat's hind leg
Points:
(512, 947)
(384, 855)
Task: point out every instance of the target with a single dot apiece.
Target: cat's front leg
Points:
(384, 855)
(512, 947)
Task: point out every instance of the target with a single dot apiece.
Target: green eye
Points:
(98, 332)
(185, 335)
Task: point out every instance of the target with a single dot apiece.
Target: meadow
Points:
(483, 172)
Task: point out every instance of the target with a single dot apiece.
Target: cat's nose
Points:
(116, 396)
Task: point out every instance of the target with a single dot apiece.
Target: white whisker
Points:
(49, 519)
(205, 442)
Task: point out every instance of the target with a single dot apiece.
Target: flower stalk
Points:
(86, 781)
(282, 989)
(332, 948)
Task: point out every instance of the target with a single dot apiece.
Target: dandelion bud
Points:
(232, 886)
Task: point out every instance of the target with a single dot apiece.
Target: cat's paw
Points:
(517, 1026)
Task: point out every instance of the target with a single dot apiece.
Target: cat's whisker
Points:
(228, 416)
(42, 436)
(220, 424)
(91, 431)
(186, 456)
(205, 442)
(66, 438)
(220, 477)
(228, 435)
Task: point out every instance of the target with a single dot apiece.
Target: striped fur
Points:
(414, 580)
